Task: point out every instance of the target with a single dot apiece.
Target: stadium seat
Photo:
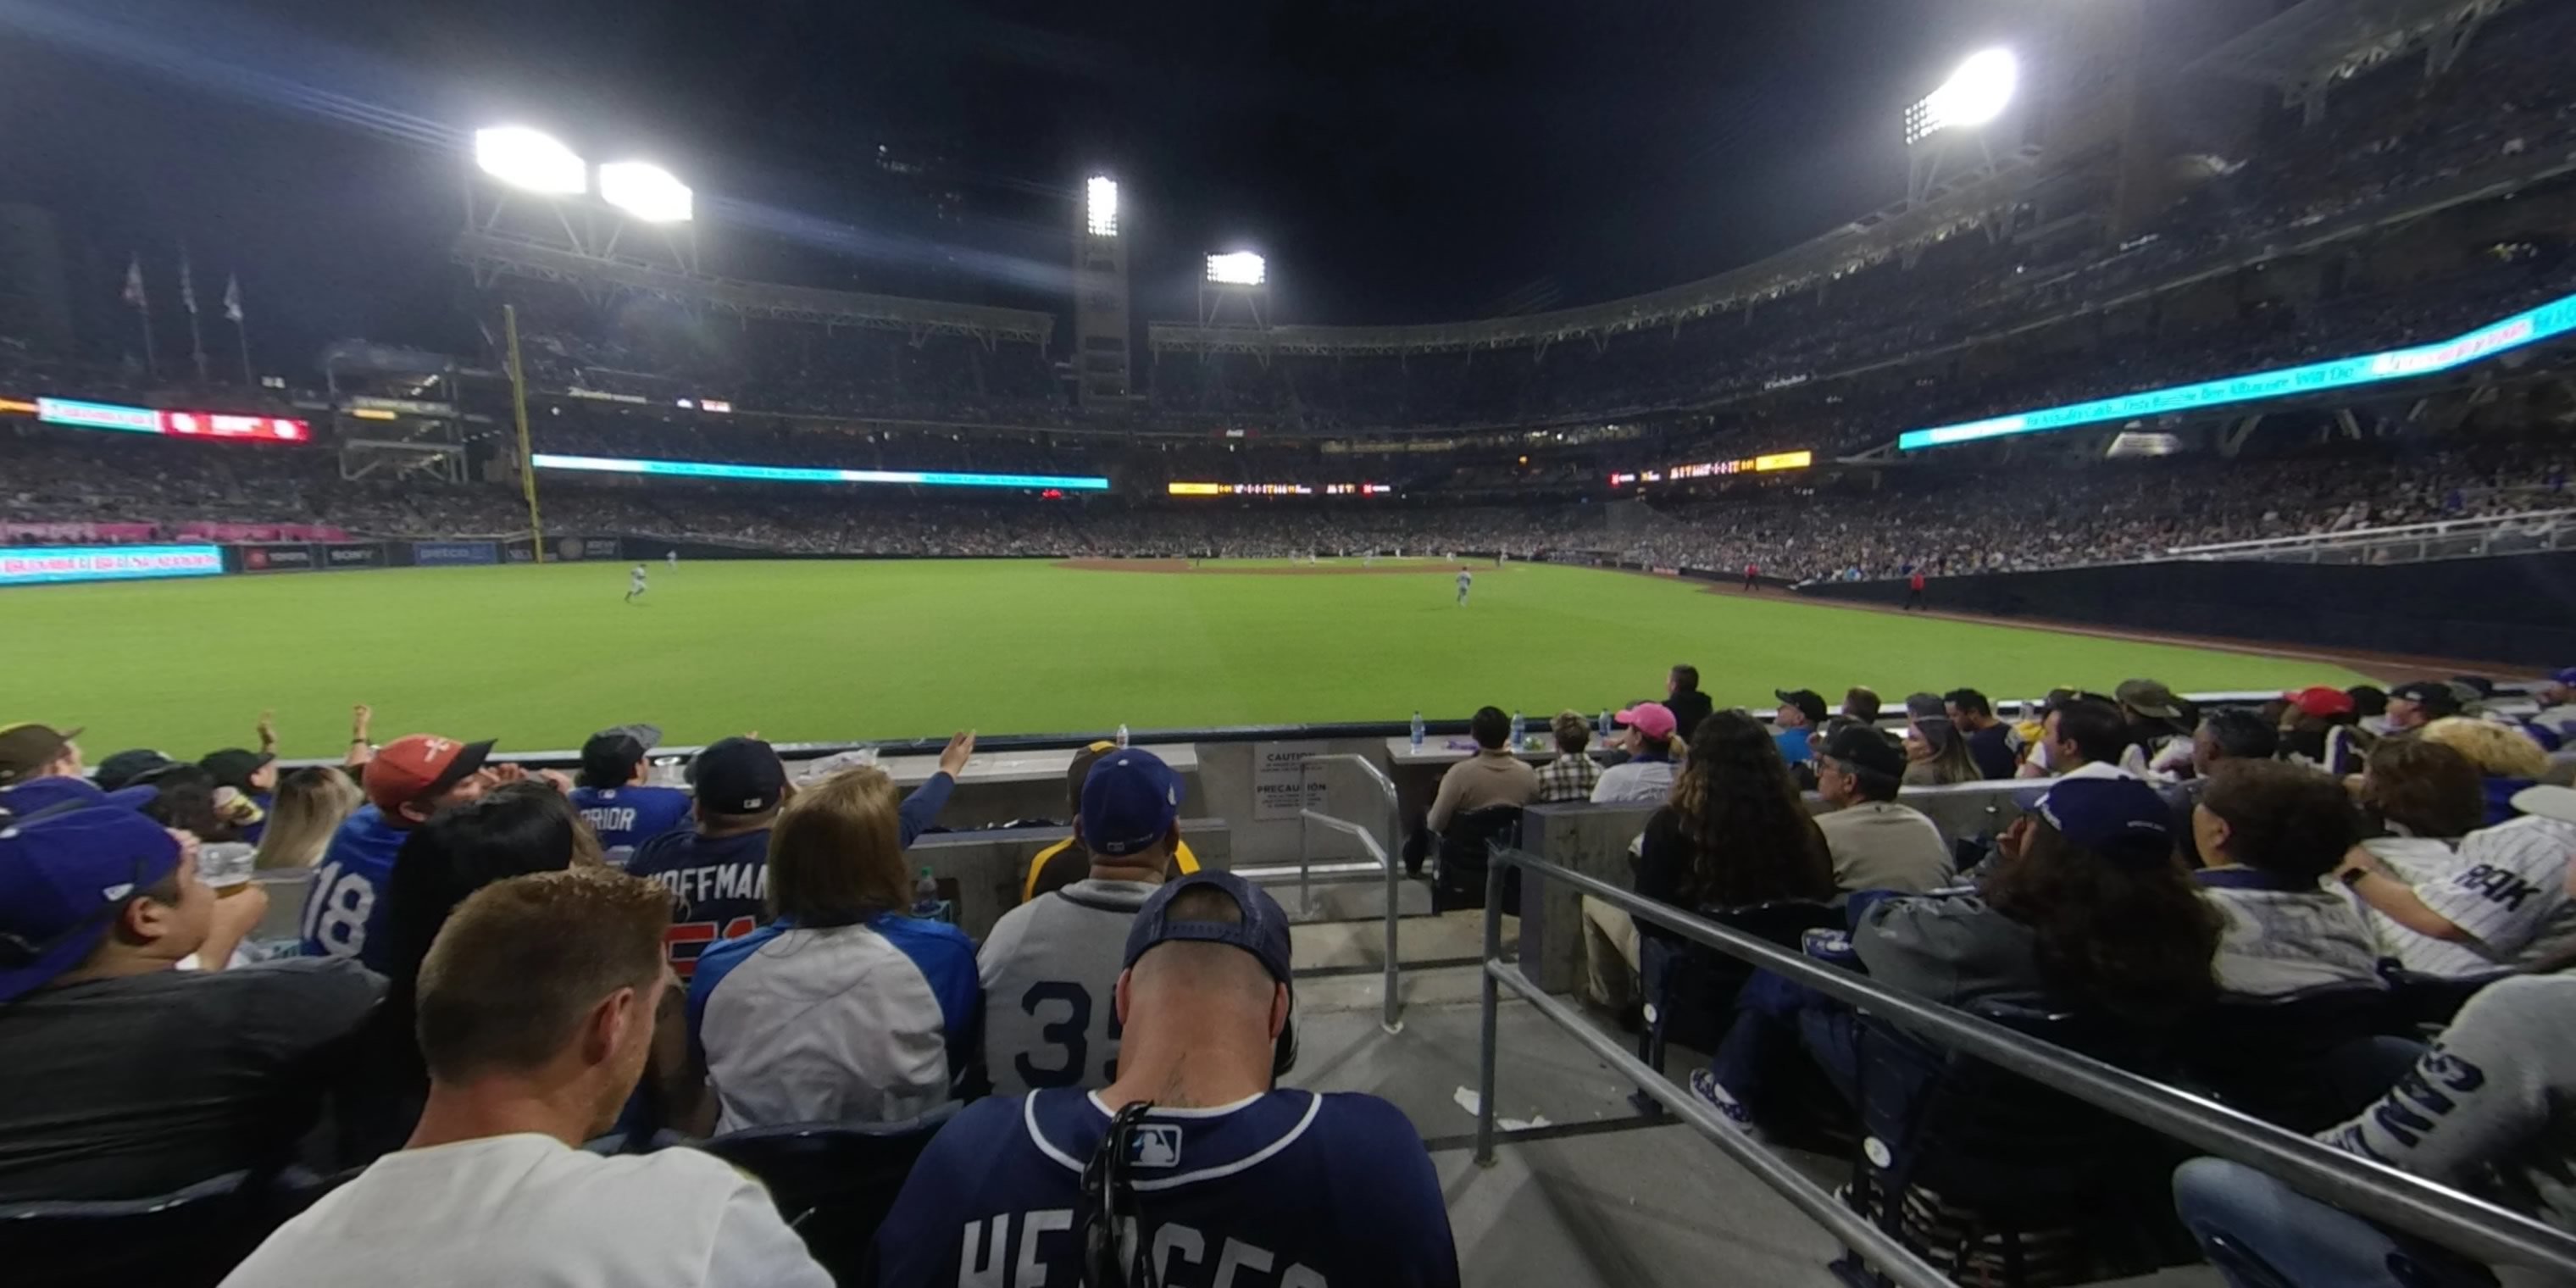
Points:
(2286, 1059)
(183, 1239)
(833, 1183)
(1458, 879)
(1996, 1180)
(1690, 988)
(2427, 1002)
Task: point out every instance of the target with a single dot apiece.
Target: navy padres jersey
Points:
(1286, 1190)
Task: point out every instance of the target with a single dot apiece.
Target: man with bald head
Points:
(1192, 1165)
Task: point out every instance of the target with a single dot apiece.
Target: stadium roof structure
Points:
(2318, 41)
(493, 255)
(1962, 202)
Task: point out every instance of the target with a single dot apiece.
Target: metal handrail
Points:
(2375, 1190)
(1390, 1016)
(1881, 1249)
(1368, 768)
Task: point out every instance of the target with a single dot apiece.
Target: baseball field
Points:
(540, 656)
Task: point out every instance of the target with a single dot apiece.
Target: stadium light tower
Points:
(1100, 206)
(528, 189)
(530, 160)
(1236, 276)
(647, 191)
(1102, 364)
(1975, 96)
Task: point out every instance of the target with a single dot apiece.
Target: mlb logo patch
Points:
(1155, 1145)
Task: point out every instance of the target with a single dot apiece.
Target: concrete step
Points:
(1333, 894)
(1347, 946)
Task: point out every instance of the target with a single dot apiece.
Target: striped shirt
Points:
(2506, 886)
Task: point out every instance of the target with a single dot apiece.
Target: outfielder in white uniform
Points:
(1466, 582)
(635, 583)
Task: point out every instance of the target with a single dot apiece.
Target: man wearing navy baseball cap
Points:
(1066, 862)
(1192, 1155)
(127, 1078)
(1050, 968)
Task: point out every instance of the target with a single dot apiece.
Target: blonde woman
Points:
(308, 808)
(2507, 759)
(842, 1008)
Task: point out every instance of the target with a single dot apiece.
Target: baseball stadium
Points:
(646, 645)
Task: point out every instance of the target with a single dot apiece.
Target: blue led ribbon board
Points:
(2555, 318)
(801, 474)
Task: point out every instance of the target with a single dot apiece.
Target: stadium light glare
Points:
(1238, 268)
(1975, 94)
(530, 159)
(646, 191)
(1100, 206)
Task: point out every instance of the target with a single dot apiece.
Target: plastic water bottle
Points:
(1602, 730)
(1520, 728)
(1122, 737)
(925, 897)
(1417, 731)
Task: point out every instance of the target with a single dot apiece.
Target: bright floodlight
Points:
(646, 191)
(1240, 268)
(1100, 205)
(1976, 93)
(525, 158)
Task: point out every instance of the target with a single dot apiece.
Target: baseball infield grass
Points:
(541, 656)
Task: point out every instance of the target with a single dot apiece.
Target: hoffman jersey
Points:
(1050, 971)
(721, 882)
(626, 817)
(847, 1024)
(1290, 1189)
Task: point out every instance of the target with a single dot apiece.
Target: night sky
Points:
(1400, 160)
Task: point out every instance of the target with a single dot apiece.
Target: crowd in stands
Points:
(526, 1013)
(517, 998)
(1950, 520)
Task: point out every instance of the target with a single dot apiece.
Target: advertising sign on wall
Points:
(297, 558)
(453, 554)
(28, 566)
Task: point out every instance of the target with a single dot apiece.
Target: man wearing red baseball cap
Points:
(409, 780)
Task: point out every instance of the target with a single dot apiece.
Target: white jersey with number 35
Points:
(1050, 975)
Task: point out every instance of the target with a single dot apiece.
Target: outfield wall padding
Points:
(2519, 609)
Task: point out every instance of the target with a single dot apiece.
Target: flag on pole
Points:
(187, 285)
(232, 297)
(134, 281)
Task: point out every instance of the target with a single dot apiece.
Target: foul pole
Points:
(519, 410)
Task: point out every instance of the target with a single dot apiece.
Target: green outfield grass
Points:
(539, 657)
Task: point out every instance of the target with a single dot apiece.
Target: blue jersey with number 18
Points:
(1291, 1189)
(344, 908)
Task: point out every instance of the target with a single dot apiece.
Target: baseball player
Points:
(635, 584)
(1104, 1187)
(1466, 582)
(1050, 967)
(673, 559)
